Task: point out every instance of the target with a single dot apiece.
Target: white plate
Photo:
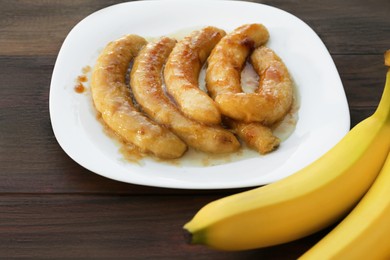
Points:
(323, 114)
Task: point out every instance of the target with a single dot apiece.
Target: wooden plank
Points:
(91, 227)
(39, 27)
(363, 78)
(346, 27)
(29, 27)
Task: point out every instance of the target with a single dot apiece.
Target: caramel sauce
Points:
(129, 151)
(79, 88)
(86, 69)
(81, 79)
(249, 84)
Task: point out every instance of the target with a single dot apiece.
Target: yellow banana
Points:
(305, 202)
(365, 232)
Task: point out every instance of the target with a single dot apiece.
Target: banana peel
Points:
(311, 199)
(365, 232)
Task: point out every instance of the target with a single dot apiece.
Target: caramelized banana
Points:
(228, 58)
(256, 136)
(273, 98)
(112, 99)
(182, 71)
(223, 77)
(146, 83)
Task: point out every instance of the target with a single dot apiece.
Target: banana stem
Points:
(383, 110)
(387, 58)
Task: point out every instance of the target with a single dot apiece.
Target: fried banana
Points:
(112, 99)
(146, 84)
(227, 59)
(182, 71)
(272, 100)
(223, 77)
(255, 135)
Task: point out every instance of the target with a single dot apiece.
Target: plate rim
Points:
(60, 140)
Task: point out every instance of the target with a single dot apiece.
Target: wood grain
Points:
(50, 207)
(111, 227)
(39, 27)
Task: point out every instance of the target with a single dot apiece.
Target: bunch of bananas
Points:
(315, 197)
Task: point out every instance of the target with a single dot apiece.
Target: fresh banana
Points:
(365, 232)
(305, 202)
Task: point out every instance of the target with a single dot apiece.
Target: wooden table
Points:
(50, 207)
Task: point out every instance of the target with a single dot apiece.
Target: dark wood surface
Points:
(50, 207)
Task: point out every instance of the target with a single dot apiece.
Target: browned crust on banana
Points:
(256, 136)
(228, 58)
(182, 71)
(146, 83)
(112, 99)
(272, 100)
(223, 77)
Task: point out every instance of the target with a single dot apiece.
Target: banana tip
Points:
(387, 58)
(187, 236)
(195, 237)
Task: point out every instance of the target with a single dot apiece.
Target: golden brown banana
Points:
(255, 135)
(223, 77)
(146, 83)
(112, 99)
(227, 59)
(272, 100)
(182, 71)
